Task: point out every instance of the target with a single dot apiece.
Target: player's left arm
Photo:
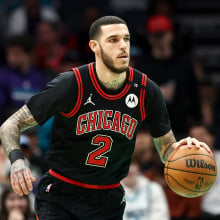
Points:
(159, 124)
(164, 145)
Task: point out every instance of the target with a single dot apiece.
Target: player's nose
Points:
(123, 44)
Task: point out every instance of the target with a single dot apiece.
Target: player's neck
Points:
(108, 78)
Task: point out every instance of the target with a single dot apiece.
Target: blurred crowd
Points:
(40, 39)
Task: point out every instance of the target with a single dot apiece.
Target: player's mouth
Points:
(123, 56)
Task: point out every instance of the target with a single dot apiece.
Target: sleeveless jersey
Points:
(94, 130)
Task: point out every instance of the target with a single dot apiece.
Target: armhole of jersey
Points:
(142, 96)
(36, 216)
(80, 95)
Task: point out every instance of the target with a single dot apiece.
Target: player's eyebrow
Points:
(113, 36)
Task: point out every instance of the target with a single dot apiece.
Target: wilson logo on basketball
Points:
(199, 164)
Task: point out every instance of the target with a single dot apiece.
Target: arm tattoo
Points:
(10, 130)
(164, 145)
(18, 166)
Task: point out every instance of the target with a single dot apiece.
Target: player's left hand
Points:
(192, 141)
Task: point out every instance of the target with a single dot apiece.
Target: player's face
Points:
(114, 43)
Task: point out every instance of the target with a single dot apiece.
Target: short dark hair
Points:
(106, 20)
(22, 41)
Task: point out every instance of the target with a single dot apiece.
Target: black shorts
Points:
(58, 200)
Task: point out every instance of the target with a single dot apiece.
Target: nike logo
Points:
(123, 199)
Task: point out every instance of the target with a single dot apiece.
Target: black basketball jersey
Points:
(94, 129)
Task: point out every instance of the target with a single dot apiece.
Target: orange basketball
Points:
(190, 172)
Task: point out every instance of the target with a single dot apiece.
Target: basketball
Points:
(190, 172)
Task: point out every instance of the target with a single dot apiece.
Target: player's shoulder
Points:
(63, 79)
(71, 72)
(140, 73)
(150, 83)
(137, 72)
(64, 76)
(84, 68)
(137, 76)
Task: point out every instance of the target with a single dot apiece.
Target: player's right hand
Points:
(21, 177)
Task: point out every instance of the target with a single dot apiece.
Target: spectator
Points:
(15, 207)
(24, 19)
(49, 50)
(18, 80)
(169, 8)
(144, 199)
(174, 74)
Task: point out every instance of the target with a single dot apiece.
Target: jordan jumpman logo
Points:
(89, 100)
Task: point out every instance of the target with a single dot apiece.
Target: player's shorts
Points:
(59, 200)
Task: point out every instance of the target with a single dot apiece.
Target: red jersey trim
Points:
(84, 185)
(36, 216)
(101, 92)
(142, 97)
(80, 95)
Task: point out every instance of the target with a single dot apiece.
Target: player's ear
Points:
(94, 46)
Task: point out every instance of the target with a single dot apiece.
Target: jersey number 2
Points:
(95, 157)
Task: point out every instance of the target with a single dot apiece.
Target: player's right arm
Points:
(60, 94)
(21, 177)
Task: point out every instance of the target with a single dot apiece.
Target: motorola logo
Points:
(131, 101)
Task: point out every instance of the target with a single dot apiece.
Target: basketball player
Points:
(97, 108)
